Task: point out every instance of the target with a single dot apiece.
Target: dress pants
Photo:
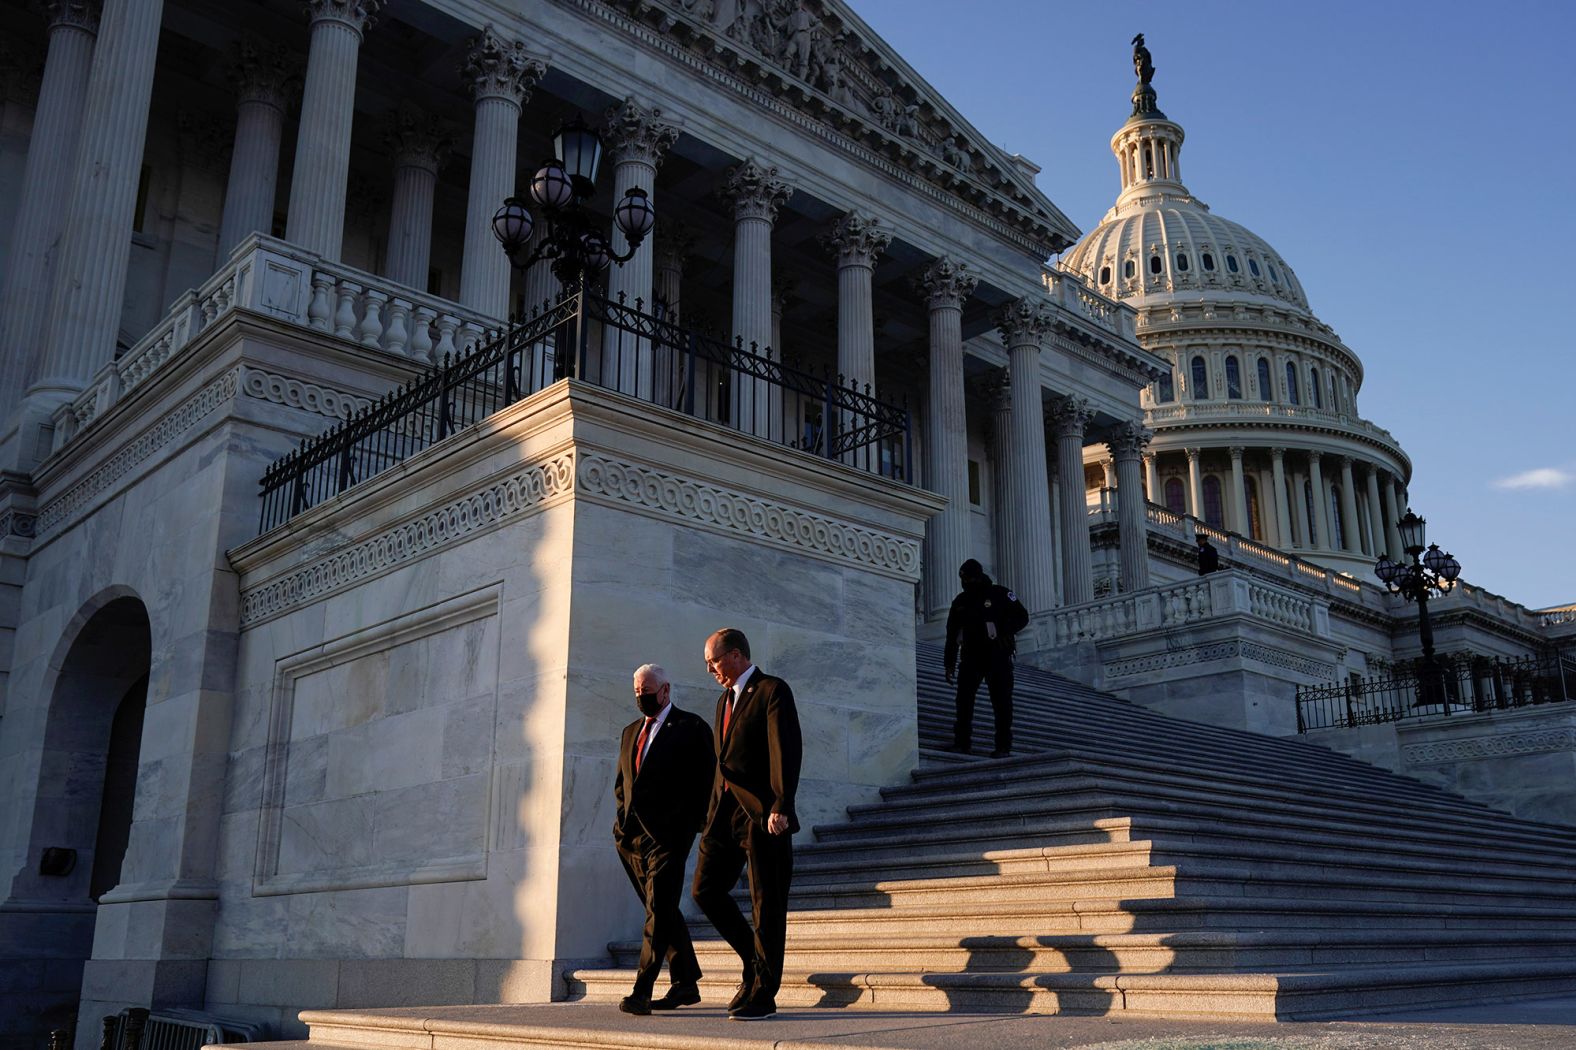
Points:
(731, 840)
(995, 669)
(658, 878)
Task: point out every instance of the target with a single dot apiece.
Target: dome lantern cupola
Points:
(1147, 146)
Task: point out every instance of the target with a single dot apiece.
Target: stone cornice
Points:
(1283, 425)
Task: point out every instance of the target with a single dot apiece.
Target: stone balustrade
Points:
(1240, 410)
(274, 279)
(1071, 294)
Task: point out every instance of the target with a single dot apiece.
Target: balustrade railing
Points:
(1456, 683)
(1071, 294)
(610, 344)
(1228, 592)
(1248, 410)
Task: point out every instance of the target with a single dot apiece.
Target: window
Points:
(1176, 500)
(1231, 262)
(974, 482)
(1128, 269)
(1253, 267)
(1214, 509)
(1255, 523)
(1200, 379)
(1273, 275)
(1155, 265)
(1233, 378)
(1181, 262)
(1266, 388)
(1291, 384)
(1105, 275)
(1165, 388)
(1313, 388)
(1208, 260)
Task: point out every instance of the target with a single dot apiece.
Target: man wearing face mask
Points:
(665, 767)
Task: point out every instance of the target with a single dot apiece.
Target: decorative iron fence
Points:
(1457, 683)
(611, 345)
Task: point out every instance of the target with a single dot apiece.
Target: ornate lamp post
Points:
(577, 248)
(1432, 570)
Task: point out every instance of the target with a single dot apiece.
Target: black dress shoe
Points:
(740, 997)
(753, 1010)
(678, 995)
(639, 1005)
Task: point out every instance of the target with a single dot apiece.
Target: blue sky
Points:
(1412, 160)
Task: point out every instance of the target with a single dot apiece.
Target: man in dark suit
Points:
(751, 818)
(665, 770)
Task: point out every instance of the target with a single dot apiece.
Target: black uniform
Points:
(979, 606)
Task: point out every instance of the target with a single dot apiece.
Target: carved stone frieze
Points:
(264, 73)
(16, 523)
(756, 192)
(297, 393)
(634, 132)
(418, 139)
(857, 240)
(1498, 745)
(499, 68)
(946, 283)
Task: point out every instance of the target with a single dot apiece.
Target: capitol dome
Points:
(1256, 429)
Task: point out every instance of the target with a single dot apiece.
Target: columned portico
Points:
(757, 195)
(1069, 417)
(46, 186)
(636, 139)
(1027, 545)
(263, 77)
(328, 101)
(500, 75)
(421, 147)
(946, 284)
(1282, 517)
(1127, 446)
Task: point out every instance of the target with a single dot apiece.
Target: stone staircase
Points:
(1127, 862)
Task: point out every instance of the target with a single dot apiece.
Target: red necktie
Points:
(640, 744)
(727, 715)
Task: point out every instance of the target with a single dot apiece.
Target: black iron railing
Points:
(612, 345)
(1455, 683)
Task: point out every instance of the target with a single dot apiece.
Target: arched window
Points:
(1128, 269)
(1181, 262)
(1214, 509)
(1200, 379)
(1266, 386)
(1165, 388)
(1155, 265)
(1105, 275)
(1208, 260)
(1337, 526)
(1255, 523)
(1273, 275)
(1253, 267)
(1333, 402)
(1176, 499)
(1233, 378)
(1291, 384)
(1313, 519)
(1313, 388)
(1231, 262)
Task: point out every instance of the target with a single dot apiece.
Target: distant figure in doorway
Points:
(981, 627)
(665, 765)
(1208, 557)
(751, 818)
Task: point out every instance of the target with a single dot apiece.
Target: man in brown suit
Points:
(665, 764)
(751, 818)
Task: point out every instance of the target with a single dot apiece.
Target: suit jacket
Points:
(668, 798)
(760, 758)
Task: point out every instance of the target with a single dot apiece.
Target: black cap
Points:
(971, 568)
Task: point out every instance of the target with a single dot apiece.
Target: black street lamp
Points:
(1432, 570)
(574, 243)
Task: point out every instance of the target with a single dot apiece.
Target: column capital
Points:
(356, 15)
(1278, 453)
(637, 133)
(1314, 457)
(1023, 322)
(418, 139)
(204, 140)
(1237, 451)
(264, 73)
(1192, 454)
(996, 389)
(856, 240)
(1129, 440)
(74, 14)
(756, 192)
(1344, 462)
(499, 68)
(946, 283)
(674, 242)
(1069, 415)
(783, 289)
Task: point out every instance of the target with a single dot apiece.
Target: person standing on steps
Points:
(665, 766)
(751, 818)
(981, 627)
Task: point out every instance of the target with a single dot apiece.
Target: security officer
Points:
(982, 622)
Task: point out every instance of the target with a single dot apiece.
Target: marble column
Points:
(1239, 494)
(264, 78)
(1069, 416)
(1349, 520)
(636, 139)
(88, 287)
(316, 220)
(46, 182)
(1127, 447)
(1299, 485)
(996, 390)
(857, 241)
(1321, 504)
(1108, 475)
(1028, 571)
(674, 245)
(500, 75)
(1152, 491)
(420, 145)
(1282, 517)
(1195, 484)
(1392, 515)
(946, 285)
(757, 195)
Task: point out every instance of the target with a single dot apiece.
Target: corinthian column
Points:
(1321, 504)
(857, 241)
(1195, 484)
(328, 104)
(501, 75)
(1127, 448)
(1282, 516)
(757, 194)
(1239, 494)
(263, 78)
(946, 284)
(1069, 416)
(420, 145)
(636, 139)
(1392, 515)
(89, 283)
(1349, 509)
(46, 180)
(1028, 569)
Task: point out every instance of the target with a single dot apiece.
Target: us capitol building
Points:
(280, 711)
